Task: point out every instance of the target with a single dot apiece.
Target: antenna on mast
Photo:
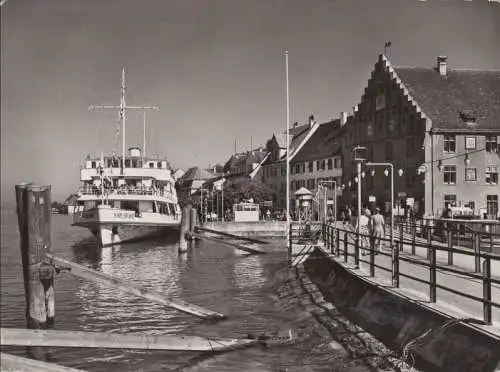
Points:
(123, 114)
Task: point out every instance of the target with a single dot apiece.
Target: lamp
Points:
(400, 172)
(467, 160)
(440, 166)
(343, 186)
(386, 172)
(349, 184)
(373, 172)
(363, 174)
(356, 179)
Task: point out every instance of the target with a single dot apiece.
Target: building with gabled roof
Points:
(274, 169)
(319, 161)
(440, 128)
(191, 181)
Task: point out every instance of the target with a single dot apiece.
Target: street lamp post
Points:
(321, 183)
(391, 166)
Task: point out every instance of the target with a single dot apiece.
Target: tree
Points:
(251, 189)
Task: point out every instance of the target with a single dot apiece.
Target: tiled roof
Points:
(196, 173)
(445, 99)
(294, 131)
(324, 143)
(297, 138)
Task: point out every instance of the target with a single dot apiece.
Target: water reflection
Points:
(248, 272)
(152, 266)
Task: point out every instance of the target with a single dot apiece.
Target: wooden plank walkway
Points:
(52, 338)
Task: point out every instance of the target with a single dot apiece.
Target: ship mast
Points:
(122, 109)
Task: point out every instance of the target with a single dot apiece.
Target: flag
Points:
(388, 44)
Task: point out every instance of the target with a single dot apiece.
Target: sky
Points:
(215, 68)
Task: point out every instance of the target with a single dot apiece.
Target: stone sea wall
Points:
(395, 320)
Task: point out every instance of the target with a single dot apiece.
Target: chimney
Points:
(442, 65)
(354, 109)
(295, 124)
(311, 120)
(343, 118)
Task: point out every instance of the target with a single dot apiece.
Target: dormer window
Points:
(468, 117)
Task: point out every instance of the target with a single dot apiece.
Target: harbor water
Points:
(245, 288)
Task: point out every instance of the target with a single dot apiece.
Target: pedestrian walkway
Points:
(447, 301)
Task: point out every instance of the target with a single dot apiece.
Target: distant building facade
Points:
(192, 181)
(319, 160)
(274, 172)
(439, 127)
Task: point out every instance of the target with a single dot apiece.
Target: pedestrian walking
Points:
(378, 229)
(364, 223)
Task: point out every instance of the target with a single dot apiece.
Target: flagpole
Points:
(287, 151)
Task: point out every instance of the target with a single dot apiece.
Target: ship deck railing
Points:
(125, 191)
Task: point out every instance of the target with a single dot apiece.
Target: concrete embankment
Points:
(399, 322)
(257, 229)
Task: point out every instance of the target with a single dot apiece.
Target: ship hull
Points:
(115, 226)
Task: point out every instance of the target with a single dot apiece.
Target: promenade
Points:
(448, 302)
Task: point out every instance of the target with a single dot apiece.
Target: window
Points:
(450, 174)
(330, 164)
(158, 164)
(311, 184)
(451, 200)
(337, 165)
(491, 175)
(93, 164)
(492, 205)
(127, 163)
(388, 151)
(311, 166)
(320, 165)
(470, 143)
(449, 143)
(470, 174)
(292, 169)
(491, 144)
(410, 177)
(410, 146)
(151, 165)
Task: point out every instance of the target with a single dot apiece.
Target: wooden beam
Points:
(233, 245)
(51, 338)
(101, 278)
(12, 363)
(244, 238)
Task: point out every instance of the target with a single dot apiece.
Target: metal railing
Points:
(125, 191)
(340, 247)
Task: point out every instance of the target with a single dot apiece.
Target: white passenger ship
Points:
(128, 198)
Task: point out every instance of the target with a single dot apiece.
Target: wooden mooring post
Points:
(185, 228)
(34, 214)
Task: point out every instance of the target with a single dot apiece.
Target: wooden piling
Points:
(193, 220)
(185, 222)
(34, 214)
(52, 338)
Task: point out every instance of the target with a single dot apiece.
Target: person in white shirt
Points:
(364, 222)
